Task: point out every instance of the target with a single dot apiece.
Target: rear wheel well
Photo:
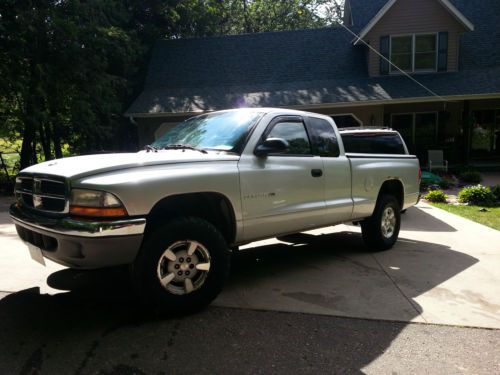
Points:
(393, 188)
(212, 207)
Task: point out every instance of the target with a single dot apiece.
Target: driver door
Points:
(282, 192)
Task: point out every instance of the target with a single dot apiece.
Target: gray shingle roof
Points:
(307, 67)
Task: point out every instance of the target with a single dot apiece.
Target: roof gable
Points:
(388, 5)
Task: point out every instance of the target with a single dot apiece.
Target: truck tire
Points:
(381, 230)
(182, 266)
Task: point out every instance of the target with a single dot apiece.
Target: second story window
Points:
(414, 53)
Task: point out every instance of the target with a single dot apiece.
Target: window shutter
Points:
(442, 52)
(384, 51)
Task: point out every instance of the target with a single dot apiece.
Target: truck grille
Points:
(42, 193)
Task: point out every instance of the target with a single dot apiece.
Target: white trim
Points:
(374, 20)
(445, 3)
(458, 15)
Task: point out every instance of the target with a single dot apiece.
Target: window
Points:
(346, 121)
(417, 129)
(296, 136)
(323, 137)
(485, 142)
(373, 143)
(414, 53)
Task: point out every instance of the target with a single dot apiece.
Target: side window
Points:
(296, 136)
(323, 137)
(373, 143)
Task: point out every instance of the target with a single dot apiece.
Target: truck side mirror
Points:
(271, 146)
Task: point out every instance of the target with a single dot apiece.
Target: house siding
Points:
(409, 17)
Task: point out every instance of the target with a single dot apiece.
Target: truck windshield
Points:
(223, 131)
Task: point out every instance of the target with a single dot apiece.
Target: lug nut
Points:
(187, 273)
(181, 260)
(191, 266)
(177, 266)
(179, 273)
(188, 260)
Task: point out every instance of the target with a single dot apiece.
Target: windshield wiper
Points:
(151, 148)
(184, 147)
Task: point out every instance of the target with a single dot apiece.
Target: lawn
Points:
(490, 218)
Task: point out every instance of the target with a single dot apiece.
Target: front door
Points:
(282, 193)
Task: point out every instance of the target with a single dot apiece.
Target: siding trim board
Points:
(469, 26)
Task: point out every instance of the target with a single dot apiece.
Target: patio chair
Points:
(436, 161)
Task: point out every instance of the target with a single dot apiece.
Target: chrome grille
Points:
(42, 193)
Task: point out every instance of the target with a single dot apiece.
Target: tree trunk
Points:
(45, 140)
(57, 142)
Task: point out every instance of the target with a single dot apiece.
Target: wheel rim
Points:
(388, 225)
(183, 267)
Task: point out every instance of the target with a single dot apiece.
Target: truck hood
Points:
(93, 164)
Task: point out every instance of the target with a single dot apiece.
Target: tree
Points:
(70, 68)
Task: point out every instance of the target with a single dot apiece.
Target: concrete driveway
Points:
(443, 270)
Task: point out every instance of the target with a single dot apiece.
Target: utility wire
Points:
(358, 38)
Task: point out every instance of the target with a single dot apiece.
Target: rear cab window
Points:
(387, 142)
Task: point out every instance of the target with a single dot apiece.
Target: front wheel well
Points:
(393, 188)
(212, 207)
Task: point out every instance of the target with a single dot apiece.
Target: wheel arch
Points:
(213, 207)
(392, 187)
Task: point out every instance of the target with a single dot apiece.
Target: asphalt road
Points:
(73, 333)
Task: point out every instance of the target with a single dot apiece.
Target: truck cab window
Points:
(323, 137)
(296, 136)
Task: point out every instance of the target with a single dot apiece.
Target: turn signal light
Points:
(97, 211)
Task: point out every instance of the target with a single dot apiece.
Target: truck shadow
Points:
(96, 326)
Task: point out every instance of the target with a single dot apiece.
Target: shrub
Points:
(470, 175)
(436, 196)
(477, 195)
(496, 191)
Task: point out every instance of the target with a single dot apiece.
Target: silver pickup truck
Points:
(175, 211)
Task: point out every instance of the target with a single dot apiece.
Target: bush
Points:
(470, 175)
(477, 195)
(436, 196)
(496, 191)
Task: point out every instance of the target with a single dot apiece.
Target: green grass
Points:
(490, 218)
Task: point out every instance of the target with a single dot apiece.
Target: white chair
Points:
(436, 160)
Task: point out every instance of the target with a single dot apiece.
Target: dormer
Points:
(418, 36)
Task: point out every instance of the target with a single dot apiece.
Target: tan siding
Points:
(410, 16)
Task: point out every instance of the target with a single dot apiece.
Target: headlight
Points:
(95, 203)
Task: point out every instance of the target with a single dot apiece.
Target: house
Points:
(447, 98)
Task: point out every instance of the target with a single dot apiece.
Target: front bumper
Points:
(80, 243)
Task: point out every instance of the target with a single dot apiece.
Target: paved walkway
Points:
(443, 270)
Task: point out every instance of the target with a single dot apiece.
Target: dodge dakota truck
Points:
(175, 211)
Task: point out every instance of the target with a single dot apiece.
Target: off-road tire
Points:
(144, 270)
(375, 235)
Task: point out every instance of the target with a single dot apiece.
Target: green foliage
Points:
(69, 69)
(496, 192)
(436, 196)
(476, 195)
(470, 175)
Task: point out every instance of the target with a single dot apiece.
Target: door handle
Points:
(316, 172)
